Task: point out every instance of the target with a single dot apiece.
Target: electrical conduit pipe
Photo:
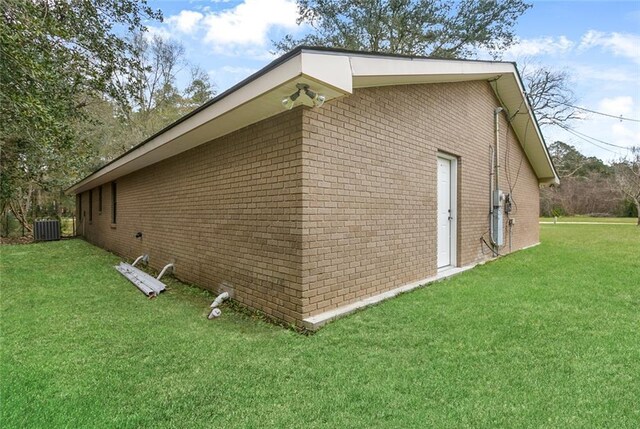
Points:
(495, 172)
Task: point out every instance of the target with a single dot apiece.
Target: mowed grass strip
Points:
(591, 219)
(547, 337)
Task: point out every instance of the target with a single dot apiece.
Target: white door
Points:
(446, 212)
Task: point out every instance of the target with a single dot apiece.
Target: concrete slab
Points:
(315, 322)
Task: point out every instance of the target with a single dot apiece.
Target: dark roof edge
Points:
(275, 63)
(391, 55)
(272, 65)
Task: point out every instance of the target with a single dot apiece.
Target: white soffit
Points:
(373, 71)
(380, 71)
(334, 74)
(333, 70)
(509, 91)
(252, 102)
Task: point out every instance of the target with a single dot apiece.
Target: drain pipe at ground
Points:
(164, 270)
(215, 311)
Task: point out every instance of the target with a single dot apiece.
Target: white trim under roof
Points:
(335, 74)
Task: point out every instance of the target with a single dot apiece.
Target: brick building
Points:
(309, 212)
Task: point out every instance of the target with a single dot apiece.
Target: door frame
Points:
(453, 197)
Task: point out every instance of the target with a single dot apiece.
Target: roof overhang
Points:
(334, 74)
(372, 70)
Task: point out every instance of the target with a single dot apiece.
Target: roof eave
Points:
(256, 98)
(335, 73)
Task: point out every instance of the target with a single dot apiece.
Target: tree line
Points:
(82, 82)
(76, 94)
(588, 186)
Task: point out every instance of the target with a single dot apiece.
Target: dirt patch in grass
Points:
(15, 240)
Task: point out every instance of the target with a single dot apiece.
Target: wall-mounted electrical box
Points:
(497, 218)
(507, 204)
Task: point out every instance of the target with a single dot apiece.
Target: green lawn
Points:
(547, 337)
(629, 220)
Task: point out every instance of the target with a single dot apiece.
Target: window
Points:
(114, 202)
(90, 205)
(100, 200)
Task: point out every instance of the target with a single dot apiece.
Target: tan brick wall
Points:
(318, 208)
(369, 196)
(226, 213)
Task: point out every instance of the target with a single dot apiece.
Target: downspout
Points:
(491, 182)
(496, 119)
(144, 258)
(495, 171)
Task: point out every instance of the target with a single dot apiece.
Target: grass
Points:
(547, 337)
(626, 220)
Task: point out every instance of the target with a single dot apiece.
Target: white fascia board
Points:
(332, 73)
(510, 92)
(329, 73)
(331, 70)
(280, 75)
(375, 71)
(364, 68)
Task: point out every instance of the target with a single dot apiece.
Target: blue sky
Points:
(596, 42)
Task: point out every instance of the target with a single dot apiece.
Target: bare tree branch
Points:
(549, 94)
(627, 175)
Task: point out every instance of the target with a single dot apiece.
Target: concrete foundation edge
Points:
(314, 323)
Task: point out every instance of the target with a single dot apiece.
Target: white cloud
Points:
(620, 44)
(540, 46)
(609, 74)
(595, 134)
(622, 105)
(238, 72)
(623, 134)
(227, 76)
(162, 33)
(243, 29)
(249, 22)
(186, 21)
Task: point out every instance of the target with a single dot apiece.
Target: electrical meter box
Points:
(498, 218)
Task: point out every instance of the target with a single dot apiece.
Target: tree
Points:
(55, 58)
(569, 162)
(200, 90)
(439, 28)
(587, 185)
(627, 175)
(549, 94)
(155, 100)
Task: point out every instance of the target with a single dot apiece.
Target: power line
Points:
(592, 138)
(621, 118)
(586, 139)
